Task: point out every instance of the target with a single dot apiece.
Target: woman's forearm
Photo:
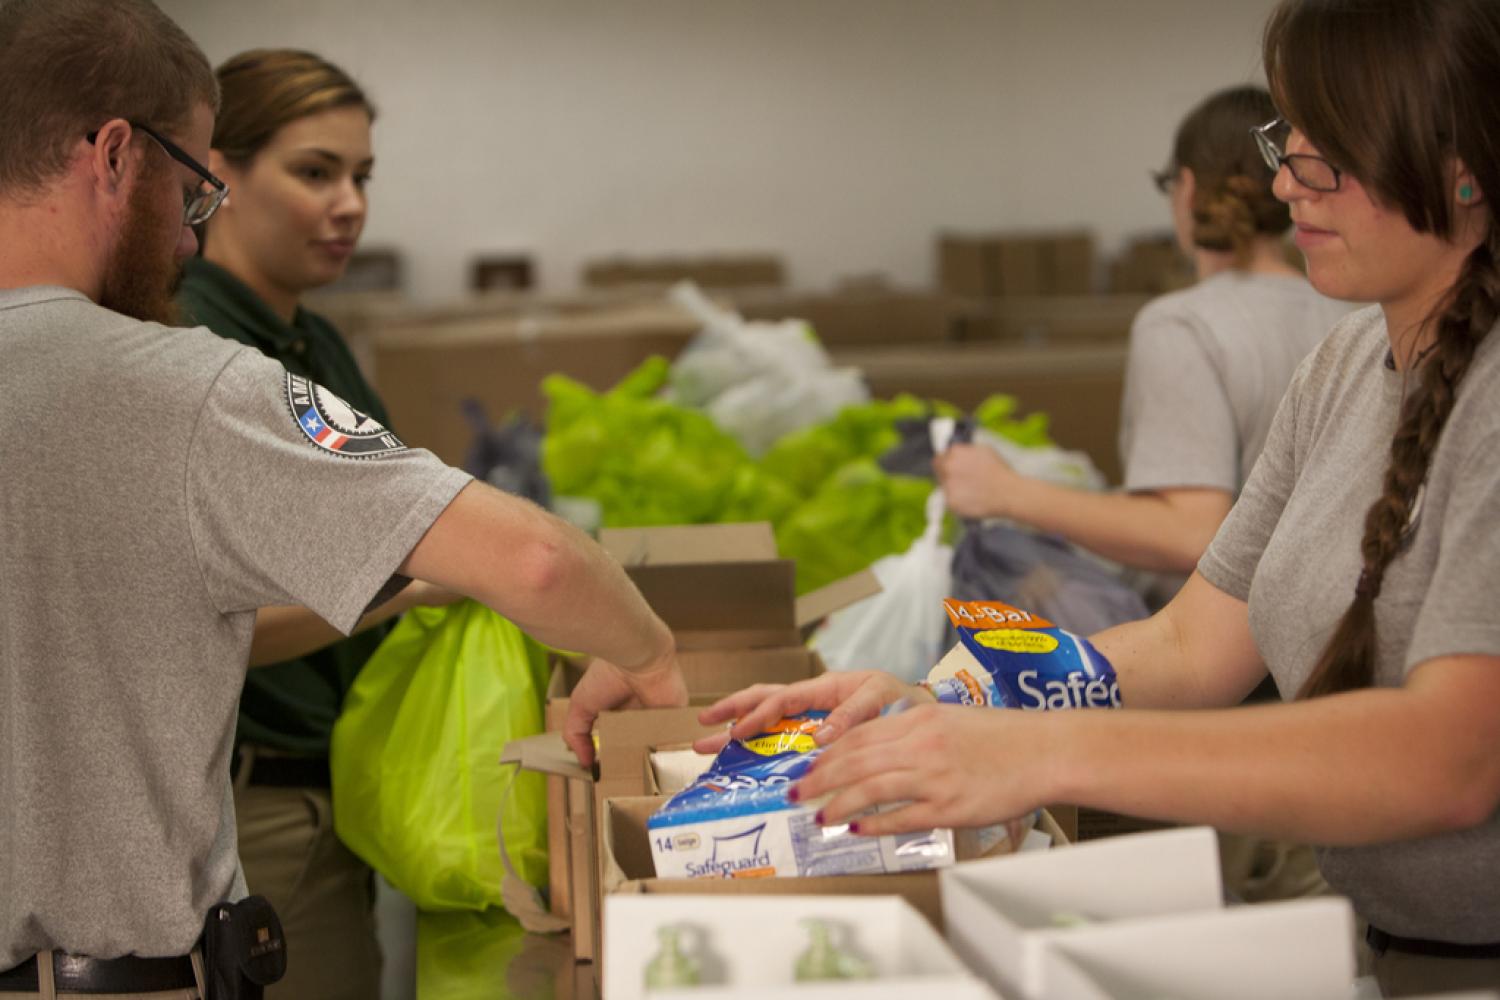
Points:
(1357, 768)
(1160, 532)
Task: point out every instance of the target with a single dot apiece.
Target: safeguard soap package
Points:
(736, 820)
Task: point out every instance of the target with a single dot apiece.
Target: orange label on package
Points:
(991, 615)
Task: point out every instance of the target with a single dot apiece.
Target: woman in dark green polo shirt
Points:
(293, 142)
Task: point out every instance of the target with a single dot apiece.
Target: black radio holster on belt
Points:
(244, 950)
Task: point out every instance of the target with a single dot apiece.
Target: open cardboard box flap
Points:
(545, 753)
(720, 586)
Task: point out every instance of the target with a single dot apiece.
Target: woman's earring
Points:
(1465, 193)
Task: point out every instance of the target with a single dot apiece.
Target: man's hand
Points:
(605, 686)
(976, 481)
(850, 697)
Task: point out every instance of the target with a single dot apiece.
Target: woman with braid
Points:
(1360, 565)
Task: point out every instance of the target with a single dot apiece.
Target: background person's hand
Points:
(850, 697)
(605, 686)
(976, 481)
(953, 766)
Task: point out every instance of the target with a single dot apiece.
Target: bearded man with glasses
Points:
(157, 487)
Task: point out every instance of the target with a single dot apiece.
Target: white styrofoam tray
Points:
(1298, 950)
(1000, 911)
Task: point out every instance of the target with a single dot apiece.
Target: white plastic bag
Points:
(761, 411)
(757, 380)
(902, 629)
(1045, 462)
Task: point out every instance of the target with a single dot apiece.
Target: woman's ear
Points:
(1465, 188)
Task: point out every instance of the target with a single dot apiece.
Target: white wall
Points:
(841, 133)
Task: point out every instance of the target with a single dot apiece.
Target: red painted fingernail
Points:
(818, 817)
(854, 827)
(792, 795)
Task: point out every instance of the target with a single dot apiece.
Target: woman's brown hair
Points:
(265, 89)
(1394, 92)
(1232, 199)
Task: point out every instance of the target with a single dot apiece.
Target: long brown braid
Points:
(1395, 93)
(1347, 662)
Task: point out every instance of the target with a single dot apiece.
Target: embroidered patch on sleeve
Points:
(335, 426)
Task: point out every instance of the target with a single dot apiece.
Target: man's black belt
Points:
(286, 772)
(1381, 942)
(81, 974)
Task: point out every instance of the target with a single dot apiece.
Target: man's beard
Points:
(140, 279)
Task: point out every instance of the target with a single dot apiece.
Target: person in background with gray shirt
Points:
(159, 486)
(1207, 366)
(1360, 565)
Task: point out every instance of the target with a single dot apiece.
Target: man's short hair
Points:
(69, 66)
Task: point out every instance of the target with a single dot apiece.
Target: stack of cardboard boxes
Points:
(713, 272)
(1009, 265)
(499, 352)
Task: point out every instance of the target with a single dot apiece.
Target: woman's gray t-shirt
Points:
(1208, 367)
(1290, 547)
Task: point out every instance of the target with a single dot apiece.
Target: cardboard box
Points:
(1078, 386)
(1018, 266)
(862, 315)
(745, 944)
(1151, 265)
(1052, 320)
(732, 605)
(1299, 950)
(1071, 264)
(1000, 913)
(993, 265)
(714, 271)
(625, 859)
(423, 370)
(963, 266)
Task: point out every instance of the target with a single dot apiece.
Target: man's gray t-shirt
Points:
(1290, 547)
(156, 487)
(1208, 366)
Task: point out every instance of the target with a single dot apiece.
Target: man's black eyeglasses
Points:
(198, 205)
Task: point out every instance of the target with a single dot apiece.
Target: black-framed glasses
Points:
(1312, 172)
(1163, 179)
(200, 204)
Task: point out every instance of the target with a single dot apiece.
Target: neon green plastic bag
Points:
(859, 515)
(485, 956)
(418, 788)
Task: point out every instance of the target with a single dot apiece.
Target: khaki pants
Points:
(323, 894)
(48, 992)
(1404, 975)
